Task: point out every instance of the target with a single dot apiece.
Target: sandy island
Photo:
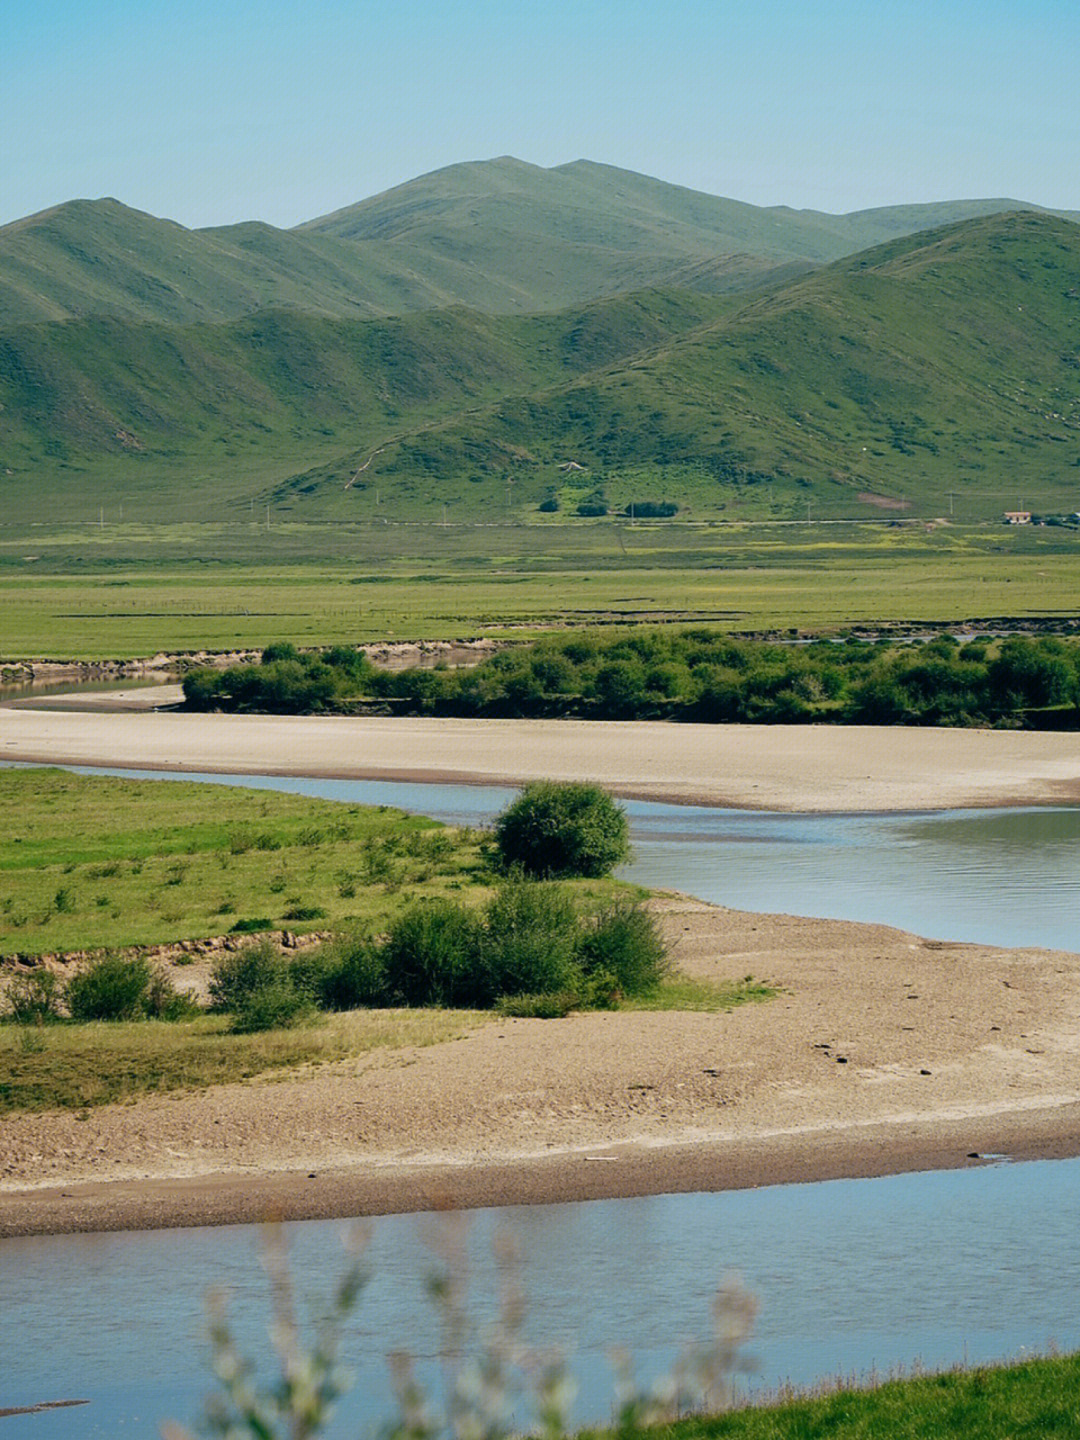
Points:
(882, 1051)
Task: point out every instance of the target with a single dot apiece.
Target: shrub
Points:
(162, 1001)
(271, 1007)
(355, 974)
(432, 956)
(530, 940)
(34, 999)
(251, 925)
(623, 951)
(556, 829)
(113, 987)
(238, 974)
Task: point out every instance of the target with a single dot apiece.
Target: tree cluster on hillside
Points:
(690, 674)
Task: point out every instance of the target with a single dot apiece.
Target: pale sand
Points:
(779, 767)
(882, 1052)
(604, 1104)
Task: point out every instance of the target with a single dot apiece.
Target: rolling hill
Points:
(498, 235)
(943, 362)
(207, 370)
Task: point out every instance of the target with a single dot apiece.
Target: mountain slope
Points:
(936, 367)
(499, 235)
(945, 361)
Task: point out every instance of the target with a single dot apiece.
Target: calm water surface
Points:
(851, 1276)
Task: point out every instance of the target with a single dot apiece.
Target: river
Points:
(852, 1276)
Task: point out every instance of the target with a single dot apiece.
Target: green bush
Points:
(273, 1006)
(530, 940)
(622, 950)
(432, 956)
(162, 1001)
(238, 974)
(355, 976)
(113, 987)
(558, 829)
(34, 999)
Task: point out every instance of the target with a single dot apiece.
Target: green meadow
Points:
(92, 592)
(91, 862)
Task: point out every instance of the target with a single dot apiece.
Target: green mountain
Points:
(497, 235)
(102, 391)
(947, 361)
(937, 371)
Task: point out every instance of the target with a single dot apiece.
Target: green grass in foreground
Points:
(75, 1067)
(89, 861)
(1036, 1400)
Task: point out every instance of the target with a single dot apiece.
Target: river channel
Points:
(851, 1276)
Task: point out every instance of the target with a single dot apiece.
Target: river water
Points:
(997, 876)
(851, 1276)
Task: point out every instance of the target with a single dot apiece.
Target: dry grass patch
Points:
(74, 1067)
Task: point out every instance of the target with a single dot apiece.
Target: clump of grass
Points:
(681, 992)
(34, 998)
(80, 1066)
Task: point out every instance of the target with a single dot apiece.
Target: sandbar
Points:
(880, 1052)
(775, 767)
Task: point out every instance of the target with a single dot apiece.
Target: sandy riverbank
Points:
(773, 767)
(882, 1052)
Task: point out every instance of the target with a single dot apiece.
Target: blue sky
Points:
(210, 111)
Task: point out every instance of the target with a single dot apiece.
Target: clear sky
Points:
(210, 111)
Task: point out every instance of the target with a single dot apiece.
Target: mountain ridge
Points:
(498, 235)
(946, 361)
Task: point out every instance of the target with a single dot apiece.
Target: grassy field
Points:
(92, 862)
(1037, 1400)
(91, 593)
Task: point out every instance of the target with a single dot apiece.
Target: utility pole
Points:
(952, 495)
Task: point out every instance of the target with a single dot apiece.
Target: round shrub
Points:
(113, 987)
(558, 829)
(530, 940)
(623, 949)
(354, 976)
(271, 1007)
(433, 956)
(238, 974)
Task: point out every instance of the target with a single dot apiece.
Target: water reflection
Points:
(851, 1276)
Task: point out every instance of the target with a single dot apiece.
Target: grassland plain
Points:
(121, 591)
(92, 862)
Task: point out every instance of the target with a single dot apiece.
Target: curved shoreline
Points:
(880, 1053)
(783, 767)
(612, 1172)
